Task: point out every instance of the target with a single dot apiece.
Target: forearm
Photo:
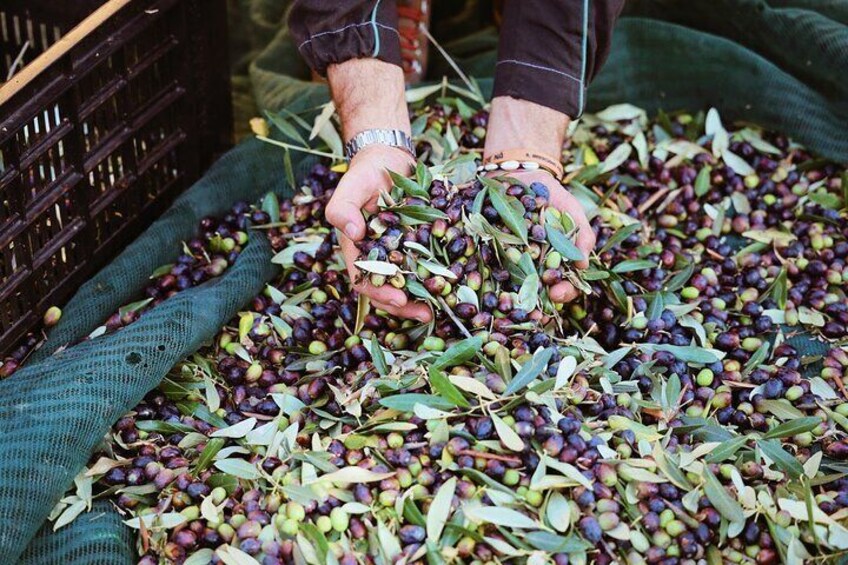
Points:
(368, 93)
(520, 124)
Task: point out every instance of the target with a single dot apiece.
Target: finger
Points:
(412, 311)
(585, 239)
(585, 242)
(344, 210)
(563, 292)
(386, 293)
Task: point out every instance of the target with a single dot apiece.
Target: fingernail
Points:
(422, 319)
(395, 302)
(350, 230)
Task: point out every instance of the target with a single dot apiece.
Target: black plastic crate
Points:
(112, 110)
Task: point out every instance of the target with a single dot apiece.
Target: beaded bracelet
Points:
(515, 159)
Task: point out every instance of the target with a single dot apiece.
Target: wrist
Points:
(368, 94)
(519, 124)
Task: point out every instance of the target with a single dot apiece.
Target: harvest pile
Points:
(663, 417)
(217, 246)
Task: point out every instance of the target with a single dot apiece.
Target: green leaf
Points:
(826, 199)
(406, 402)
(633, 265)
(563, 244)
(688, 353)
(285, 127)
(679, 280)
(726, 450)
(726, 505)
(223, 480)
(793, 427)
(134, 306)
(213, 446)
(238, 468)
(378, 356)
(553, 543)
(271, 206)
(528, 294)
(419, 214)
(779, 289)
(409, 186)
(423, 176)
(782, 409)
(459, 353)
(620, 235)
(163, 427)
(655, 307)
(702, 181)
(707, 430)
(756, 359)
(446, 389)
(161, 271)
(530, 370)
(558, 512)
(510, 216)
(784, 461)
(289, 170)
(439, 510)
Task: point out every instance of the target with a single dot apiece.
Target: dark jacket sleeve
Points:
(550, 50)
(330, 31)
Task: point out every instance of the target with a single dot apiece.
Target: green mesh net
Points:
(781, 64)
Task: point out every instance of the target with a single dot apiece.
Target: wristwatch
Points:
(391, 137)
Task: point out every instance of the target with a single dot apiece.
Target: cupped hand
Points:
(563, 201)
(358, 190)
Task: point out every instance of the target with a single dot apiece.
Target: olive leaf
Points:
(378, 356)
(508, 436)
(702, 181)
(530, 370)
(513, 219)
(446, 389)
(439, 510)
(409, 186)
(620, 235)
(793, 427)
(785, 462)
(726, 505)
(459, 353)
(238, 468)
(500, 516)
(633, 265)
(406, 402)
(563, 244)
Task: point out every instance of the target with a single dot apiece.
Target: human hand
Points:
(564, 201)
(358, 190)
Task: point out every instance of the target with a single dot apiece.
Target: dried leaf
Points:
(507, 435)
(500, 516)
(353, 475)
(439, 510)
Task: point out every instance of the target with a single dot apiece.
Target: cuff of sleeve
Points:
(354, 41)
(547, 87)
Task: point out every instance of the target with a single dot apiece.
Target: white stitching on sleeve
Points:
(541, 68)
(341, 29)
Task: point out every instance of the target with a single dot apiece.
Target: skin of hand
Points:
(368, 94)
(563, 201)
(358, 190)
(515, 123)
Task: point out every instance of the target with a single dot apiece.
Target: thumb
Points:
(344, 210)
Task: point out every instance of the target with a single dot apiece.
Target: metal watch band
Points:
(391, 137)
